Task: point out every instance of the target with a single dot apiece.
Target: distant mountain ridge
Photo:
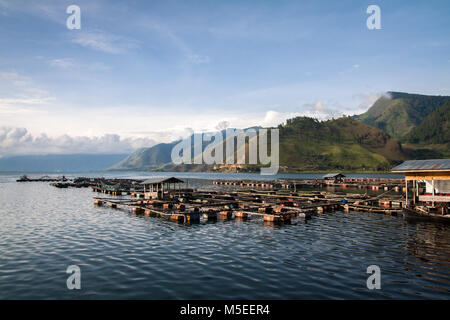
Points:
(159, 156)
(59, 163)
(305, 144)
(146, 158)
(398, 113)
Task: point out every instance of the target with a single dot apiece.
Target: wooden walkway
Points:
(277, 207)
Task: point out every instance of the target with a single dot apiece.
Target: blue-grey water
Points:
(43, 230)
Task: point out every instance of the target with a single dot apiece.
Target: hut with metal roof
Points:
(333, 177)
(434, 175)
(155, 188)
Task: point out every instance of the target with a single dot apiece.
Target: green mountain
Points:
(146, 158)
(342, 144)
(434, 129)
(159, 156)
(431, 138)
(305, 144)
(399, 113)
(367, 142)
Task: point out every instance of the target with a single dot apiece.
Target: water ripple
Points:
(43, 230)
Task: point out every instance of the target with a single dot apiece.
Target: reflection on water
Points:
(426, 243)
(43, 230)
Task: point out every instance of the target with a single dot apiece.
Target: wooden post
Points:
(406, 190)
(417, 189)
(432, 183)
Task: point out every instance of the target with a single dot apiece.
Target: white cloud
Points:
(99, 66)
(21, 101)
(198, 59)
(365, 101)
(18, 95)
(101, 41)
(318, 110)
(274, 118)
(18, 141)
(354, 68)
(222, 125)
(65, 63)
(165, 32)
(322, 111)
(9, 75)
(69, 63)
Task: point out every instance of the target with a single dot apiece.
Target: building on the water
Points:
(333, 177)
(156, 188)
(427, 182)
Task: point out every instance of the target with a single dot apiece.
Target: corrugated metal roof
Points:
(332, 175)
(162, 180)
(420, 165)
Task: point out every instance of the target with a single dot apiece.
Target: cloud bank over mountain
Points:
(18, 141)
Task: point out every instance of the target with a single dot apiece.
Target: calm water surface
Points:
(43, 230)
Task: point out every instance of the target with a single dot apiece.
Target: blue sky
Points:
(141, 72)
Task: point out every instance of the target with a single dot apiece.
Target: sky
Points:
(142, 72)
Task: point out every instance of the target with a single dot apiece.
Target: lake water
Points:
(43, 230)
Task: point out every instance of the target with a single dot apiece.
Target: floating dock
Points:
(278, 205)
(271, 201)
(361, 183)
